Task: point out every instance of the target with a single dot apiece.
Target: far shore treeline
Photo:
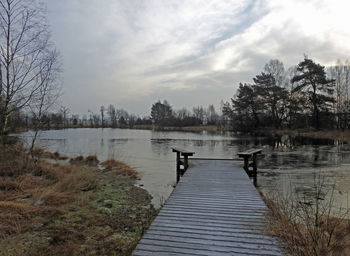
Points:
(307, 95)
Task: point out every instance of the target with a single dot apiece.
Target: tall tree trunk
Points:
(315, 117)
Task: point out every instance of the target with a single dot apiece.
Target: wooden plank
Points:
(208, 242)
(207, 223)
(212, 236)
(249, 152)
(183, 152)
(214, 210)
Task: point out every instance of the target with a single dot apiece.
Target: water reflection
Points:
(161, 147)
(285, 159)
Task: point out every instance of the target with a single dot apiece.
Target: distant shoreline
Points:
(341, 135)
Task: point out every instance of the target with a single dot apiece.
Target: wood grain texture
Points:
(214, 210)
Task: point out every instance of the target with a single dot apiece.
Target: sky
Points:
(132, 53)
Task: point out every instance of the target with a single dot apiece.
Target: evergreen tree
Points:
(272, 97)
(311, 78)
(246, 106)
(161, 113)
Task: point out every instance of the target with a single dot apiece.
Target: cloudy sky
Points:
(131, 53)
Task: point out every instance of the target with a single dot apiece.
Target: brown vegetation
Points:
(307, 227)
(49, 209)
(120, 168)
(38, 152)
(90, 160)
(328, 236)
(77, 160)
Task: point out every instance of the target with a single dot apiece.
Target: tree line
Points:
(161, 115)
(305, 96)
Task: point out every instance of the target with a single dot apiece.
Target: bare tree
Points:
(182, 113)
(48, 92)
(199, 112)
(96, 119)
(24, 45)
(212, 116)
(112, 115)
(276, 69)
(340, 73)
(102, 110)
(65, 111)
(122, 116)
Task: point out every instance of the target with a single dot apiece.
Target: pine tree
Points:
(311, 78)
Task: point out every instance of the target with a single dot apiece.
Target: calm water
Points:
(286, 164)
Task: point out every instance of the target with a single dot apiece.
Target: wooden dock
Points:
(214, 210)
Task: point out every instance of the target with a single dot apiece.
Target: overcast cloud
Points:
(133, 52)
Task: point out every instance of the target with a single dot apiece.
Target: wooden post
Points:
(185, 163)
(255, 181)
(178, 170)
(255, 168)
(250, 156)
(246, 164)
(179, 162)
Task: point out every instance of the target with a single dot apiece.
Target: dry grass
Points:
(77, 160)
(38, 152)
(330, 236)
(16, 217)
(120, 168)
(49, 209)
(307, 226)
(90, 160)
(30, 188)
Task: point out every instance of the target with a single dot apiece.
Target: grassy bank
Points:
(72, 209)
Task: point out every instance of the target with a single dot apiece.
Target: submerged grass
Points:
(50, 209)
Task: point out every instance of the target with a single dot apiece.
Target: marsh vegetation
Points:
(74, 208)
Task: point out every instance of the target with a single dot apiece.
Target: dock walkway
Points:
(214, 210)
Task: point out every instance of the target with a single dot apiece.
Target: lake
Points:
(286, 165)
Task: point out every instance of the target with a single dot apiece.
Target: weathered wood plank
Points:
(250, 152)
(174, 220)
(183, 152)
(230, 237)
(210, 243)
(214, 210)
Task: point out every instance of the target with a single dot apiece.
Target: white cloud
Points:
(119, 51)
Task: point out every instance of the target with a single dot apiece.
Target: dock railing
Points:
(249, 159)
(181, 161)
